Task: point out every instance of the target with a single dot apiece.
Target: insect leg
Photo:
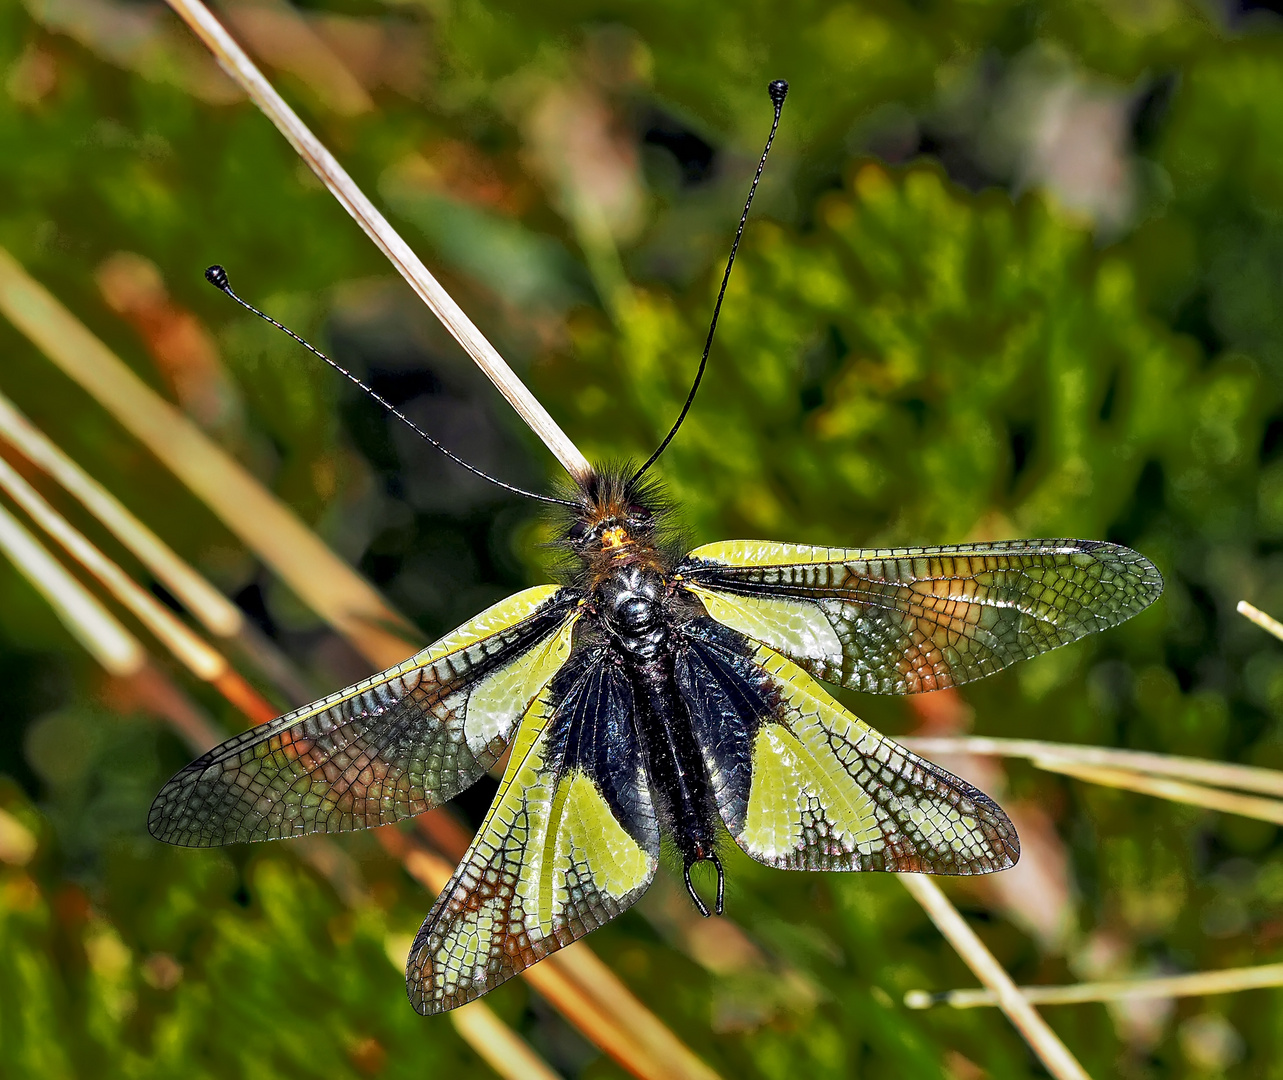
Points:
(721, 884)
(690, 888)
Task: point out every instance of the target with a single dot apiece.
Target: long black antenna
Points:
(217, 277)
(778, 89)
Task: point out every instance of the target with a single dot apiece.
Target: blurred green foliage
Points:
(1013, 271)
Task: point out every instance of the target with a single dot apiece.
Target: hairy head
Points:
(615, 521)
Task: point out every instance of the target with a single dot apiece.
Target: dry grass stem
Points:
(1228, 802)
(271, 530)
(1195, 781)
(205, 603)
(342, 187)
(1265, 622)
(1053, 1053)
(1199, 770)
(576, 974)
(199, 658)
(209, 606)
(192, 651)
(1197, 984)
(580, 987)
(498, 1045)
(97, 629)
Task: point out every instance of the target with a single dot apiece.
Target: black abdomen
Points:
(641, 629)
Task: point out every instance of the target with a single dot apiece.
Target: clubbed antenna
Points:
(217, 277)
(778, 89)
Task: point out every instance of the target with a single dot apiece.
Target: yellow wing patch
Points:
(792, 790)
(771, 553)
(497, 699)
(589, 836)
(466, 639)
(910, 620)
(551, 862)
(795, 627)
(386, 748)
(827, 792)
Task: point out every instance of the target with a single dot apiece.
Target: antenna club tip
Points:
(217, 277)
(778, 91)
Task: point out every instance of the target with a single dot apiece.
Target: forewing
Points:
(908, 620)
(802, 784)
(570, 841)
(389, 747)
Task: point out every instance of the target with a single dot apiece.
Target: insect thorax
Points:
(631, 600)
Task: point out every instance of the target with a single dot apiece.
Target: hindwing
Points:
(387, 748)
(569, 842)
(802, 784)
(907, 620)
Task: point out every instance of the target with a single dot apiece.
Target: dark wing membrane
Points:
(804, 785)
(907, 620)
(570, 841)
(389, 747)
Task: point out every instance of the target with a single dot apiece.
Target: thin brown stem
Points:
(580, 987)
(215, 612)
(1227, 802)
(1044, 1042)
(1199, 770)
(498, 1045)
(1267, 623)
(103, 636)
(234, 60)
(200, 659)
(264, 524)
(1195, 984)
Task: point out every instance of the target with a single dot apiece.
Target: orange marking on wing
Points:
(293, 747)
(922, 664)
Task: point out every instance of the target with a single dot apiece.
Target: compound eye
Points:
(578, 531)
(639, 515)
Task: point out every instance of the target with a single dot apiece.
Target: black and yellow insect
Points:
(655, 692)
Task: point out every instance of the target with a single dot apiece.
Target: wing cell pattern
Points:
(909, 620)
(387, 748)
(570, 841)
(802, 784)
